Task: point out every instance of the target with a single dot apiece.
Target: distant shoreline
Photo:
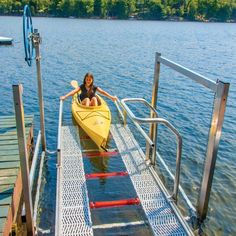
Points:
(170, 19)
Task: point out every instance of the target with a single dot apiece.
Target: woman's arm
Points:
(113, 98)
(71, 93)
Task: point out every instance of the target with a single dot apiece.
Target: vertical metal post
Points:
(153, 127)
(37, 41)
(125, 117)
(212, 148)
(20, 125)
(153, 137)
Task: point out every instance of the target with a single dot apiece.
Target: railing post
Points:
(20, 125)
(37, 41)
(153, 127)
(212, 148)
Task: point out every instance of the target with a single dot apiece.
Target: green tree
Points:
(83, 8)
(53, 7)
(65, 7)
(98, 8)
(155, 10)
(233, 15)
(191, 10)
(6, 6)
(131, 6)
(120, 9)
(224, 11)
(17, 6)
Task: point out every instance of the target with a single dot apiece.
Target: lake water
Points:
(121, 55)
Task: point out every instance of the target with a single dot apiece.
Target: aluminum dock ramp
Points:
(73, 207)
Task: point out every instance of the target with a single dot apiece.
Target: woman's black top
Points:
(86, 93)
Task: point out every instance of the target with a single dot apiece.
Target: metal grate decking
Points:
(73, 213)
(162, 215)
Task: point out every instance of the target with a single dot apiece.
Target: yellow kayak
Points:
(94, 120)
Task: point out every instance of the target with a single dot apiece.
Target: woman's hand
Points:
(114, 98)
(62, 98)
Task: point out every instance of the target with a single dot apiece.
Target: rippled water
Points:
(121, 56)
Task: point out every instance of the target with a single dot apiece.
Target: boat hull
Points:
(94, 120)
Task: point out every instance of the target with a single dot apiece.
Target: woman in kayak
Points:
(88, 90)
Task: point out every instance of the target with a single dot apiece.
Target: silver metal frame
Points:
(117, 103)
(221, 92)
(212, 147)
(59, 134)
(153, 126)
(38, 187)
(156, 120)
(36, 41)
(57, 230)
(188, 73)
(34, 160)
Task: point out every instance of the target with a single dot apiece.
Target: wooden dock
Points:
(10, 174)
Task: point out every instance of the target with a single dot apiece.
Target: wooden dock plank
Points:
(9, 172)
(12, 125)
(5, 199)
(9, 158)
(6, 180)
(13, 122)
(12, 135)
(9, 147)
(4, 211)
(11, 132)
(2, 224)
(9, 165)
(8, 142)
(8, 137)
(9, 152)
(12, 118)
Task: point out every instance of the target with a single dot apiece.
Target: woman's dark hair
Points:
(91, 86)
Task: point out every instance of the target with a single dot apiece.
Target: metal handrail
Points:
(153, 121)
(117, 103)
(59, 134)
(132, 117)
(36, 201)
(34, 160)
(58, 165)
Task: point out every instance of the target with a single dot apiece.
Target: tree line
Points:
(195, 10)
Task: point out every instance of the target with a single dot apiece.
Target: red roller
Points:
(105, 175)
(123, 202)
(98, 154)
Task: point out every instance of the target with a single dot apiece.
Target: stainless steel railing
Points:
(58, 166)
(156, 120)
(59, 134)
